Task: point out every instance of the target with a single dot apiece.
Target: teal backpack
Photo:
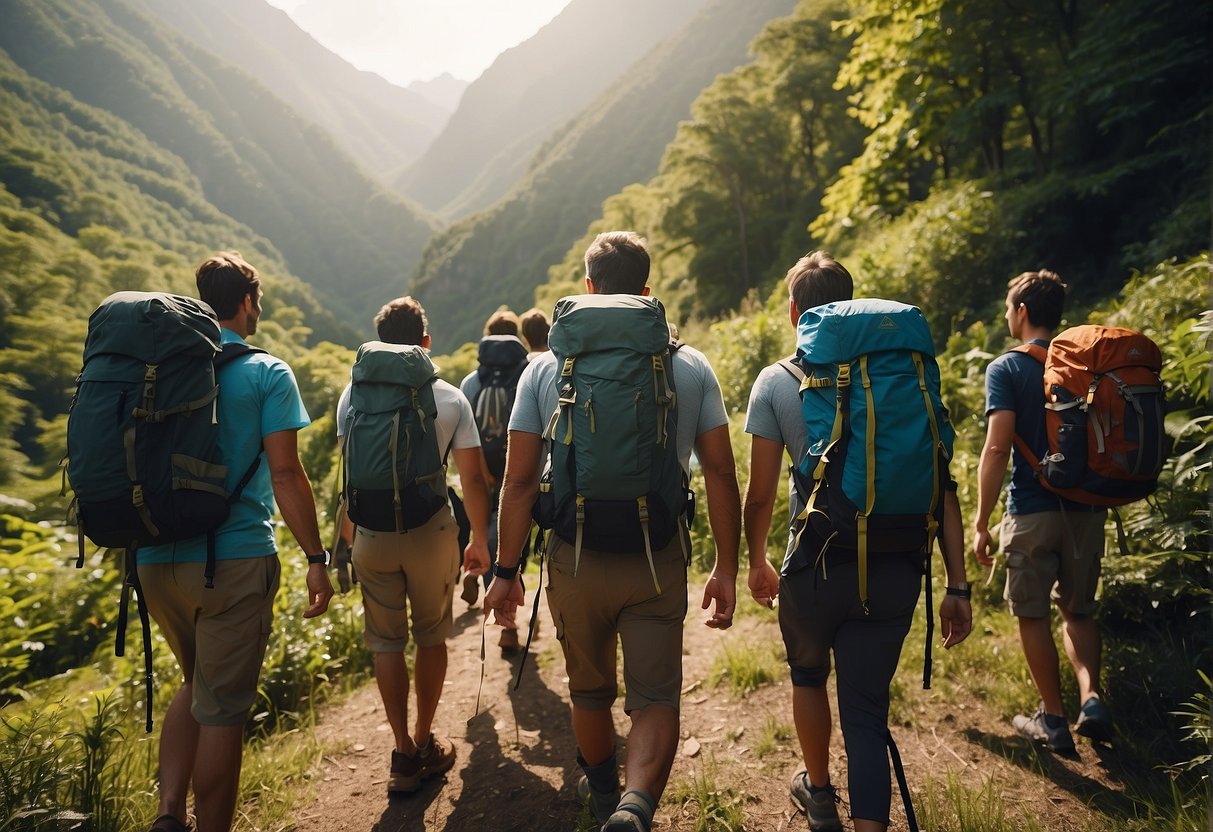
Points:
(614, 483)
(879, 439)
(142, 433)
(394, 477)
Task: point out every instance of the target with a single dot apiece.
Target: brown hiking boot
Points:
(509, 642)
(408, 770)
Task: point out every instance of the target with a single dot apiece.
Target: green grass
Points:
(774, 737)
(746, 669)
(951, 806)
(715, 808)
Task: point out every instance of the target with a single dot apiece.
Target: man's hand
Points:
(319, 589)
(955, 620)
(983, 546)
(763, 581)
(504, 598)
(722, 589)
(476, 558)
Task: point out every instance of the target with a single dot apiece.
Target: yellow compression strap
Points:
(568, 397)
(393, 443)
(819, 472)
(870, 484)
(932, 523)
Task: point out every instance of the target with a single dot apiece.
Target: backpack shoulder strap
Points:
(1035, 350)
(233, 350)
(793, 368)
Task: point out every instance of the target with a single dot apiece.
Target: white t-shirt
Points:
(456, 426)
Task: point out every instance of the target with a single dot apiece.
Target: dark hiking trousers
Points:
(819, 610)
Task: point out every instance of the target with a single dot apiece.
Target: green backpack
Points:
(142, 434)
(615, 483)
(394, 475)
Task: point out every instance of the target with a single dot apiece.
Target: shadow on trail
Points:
(406, 813)
(1060, 769)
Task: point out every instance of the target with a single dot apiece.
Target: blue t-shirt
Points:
(257, 396)
(1015, 381)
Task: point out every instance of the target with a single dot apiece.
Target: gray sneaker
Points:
(820, 805)
(602, 804)
(1049, 730)
(1094, 721)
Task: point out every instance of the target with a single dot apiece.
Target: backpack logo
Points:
(887, 323)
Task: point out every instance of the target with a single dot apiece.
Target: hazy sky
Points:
(411, 40)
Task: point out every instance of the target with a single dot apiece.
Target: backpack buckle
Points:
(844, 375)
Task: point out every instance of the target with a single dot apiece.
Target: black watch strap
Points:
(961, 591)
(322, 558)
(506, 573)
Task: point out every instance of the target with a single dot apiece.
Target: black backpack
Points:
(502, 360)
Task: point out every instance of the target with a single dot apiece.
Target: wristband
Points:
(962, 591)
(506, 573)
(322, 558)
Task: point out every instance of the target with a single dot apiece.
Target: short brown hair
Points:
(401, 321)
(535, 326)
(501, 322)
(617, 263)
(1042, 293)
(818, 279)
(224, 280)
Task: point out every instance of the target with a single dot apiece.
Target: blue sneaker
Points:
(1094, 721)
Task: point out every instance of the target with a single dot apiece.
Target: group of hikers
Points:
(570, 428)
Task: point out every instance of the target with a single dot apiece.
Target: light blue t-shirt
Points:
(700, 403)
(774, 413)
(258, 396)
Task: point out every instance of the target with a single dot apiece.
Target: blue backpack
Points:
(879, 439)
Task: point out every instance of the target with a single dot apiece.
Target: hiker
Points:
(415, 566)
(1052, 546)
(637, 596)
(820, 608)
(534, 326)
(490, 388)
(219, 635)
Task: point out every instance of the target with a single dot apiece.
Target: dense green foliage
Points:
(616, 140)
(257, 160)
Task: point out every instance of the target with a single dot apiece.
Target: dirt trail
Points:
(516, 765)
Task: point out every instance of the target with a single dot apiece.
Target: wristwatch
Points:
(963, 590)
(506, 573)
(322, 558)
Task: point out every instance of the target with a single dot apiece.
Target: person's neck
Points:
(1036, 333)
(235, 327)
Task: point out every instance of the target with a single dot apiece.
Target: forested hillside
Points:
(258, 160)
(382, 126)
(940, 148)
(615, 141)
(509, 111)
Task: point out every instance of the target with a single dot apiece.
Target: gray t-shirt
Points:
(700, 403)
(774, 413)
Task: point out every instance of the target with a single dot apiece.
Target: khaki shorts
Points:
(613, 595)
(419, 567)
(218, 635)
(1052, 556)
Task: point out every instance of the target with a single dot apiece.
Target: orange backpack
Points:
(1104, 415)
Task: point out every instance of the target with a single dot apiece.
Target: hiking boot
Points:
(820, 805)
(509, 642)
(471, 589)
(1049, 730)
(168, 823)
(1094, 721)
(633, 814)
(408, 770)
(602, 804)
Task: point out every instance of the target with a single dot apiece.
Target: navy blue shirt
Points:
(1015, 381)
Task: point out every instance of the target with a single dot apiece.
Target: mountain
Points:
(617, 140)
(443, 92)
(256, 160)
(382, 126)
(509, 111)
